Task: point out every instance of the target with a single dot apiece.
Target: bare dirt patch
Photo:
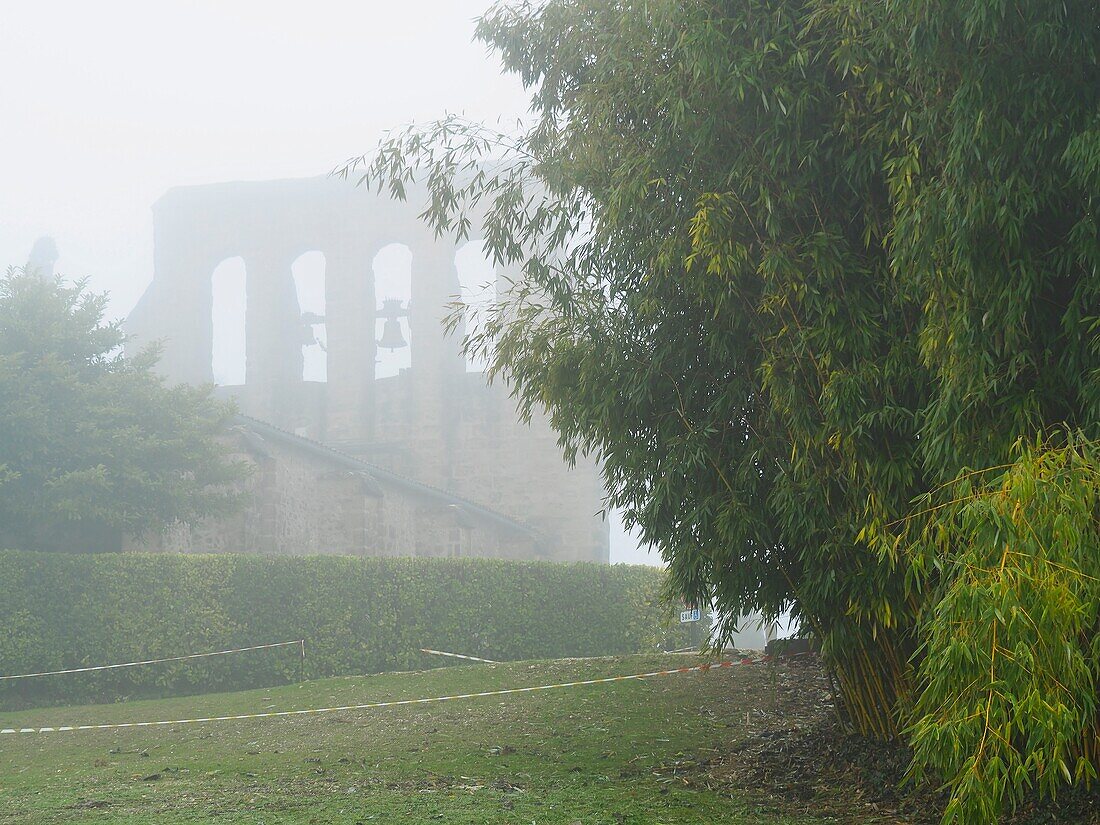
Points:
(796, 752)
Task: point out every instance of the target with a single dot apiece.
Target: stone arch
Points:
(309, 271)
(477, 279)
(228, 308)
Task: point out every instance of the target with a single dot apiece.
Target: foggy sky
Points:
(107, 105)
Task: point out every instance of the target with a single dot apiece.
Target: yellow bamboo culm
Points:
(871, 682)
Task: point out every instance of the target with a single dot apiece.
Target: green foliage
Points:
(1011, 646)
(357, 616)
(92, 444)
(787, 267)
(996, 225)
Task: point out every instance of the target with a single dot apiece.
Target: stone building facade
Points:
(431, 461)
(306, 498)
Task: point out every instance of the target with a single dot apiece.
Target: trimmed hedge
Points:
(357, 615)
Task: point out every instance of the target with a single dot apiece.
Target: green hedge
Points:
(357, 616)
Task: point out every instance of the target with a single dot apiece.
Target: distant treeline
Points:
(357, 615)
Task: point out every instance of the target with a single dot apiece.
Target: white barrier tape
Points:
(150, 661)
(373, 705)
(458, 656)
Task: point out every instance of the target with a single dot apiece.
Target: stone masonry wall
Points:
(297, 503)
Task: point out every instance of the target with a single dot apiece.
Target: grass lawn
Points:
(612, 753)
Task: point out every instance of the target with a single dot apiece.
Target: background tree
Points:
(818, 281)
(93, 445)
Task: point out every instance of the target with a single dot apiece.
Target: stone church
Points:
(428, 460)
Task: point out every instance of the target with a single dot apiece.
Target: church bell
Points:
(392, 337)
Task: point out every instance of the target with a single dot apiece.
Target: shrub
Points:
(1011, 653)
(357, 615)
